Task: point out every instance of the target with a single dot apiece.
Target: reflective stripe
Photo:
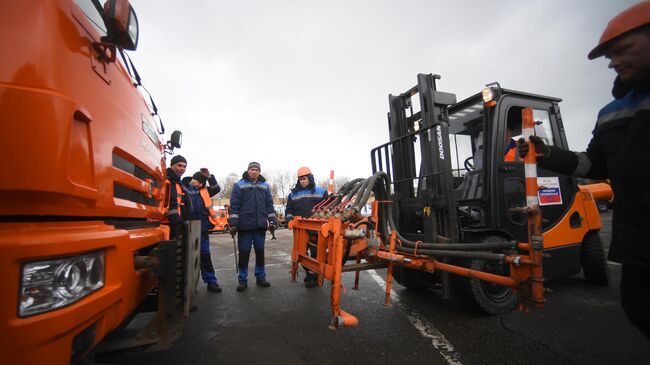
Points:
(527, 132)
(234, 215)
(173, 211)
(247, 185)
(584, 164)
(530, 170)
(624, 113)
(531, 201)
(271, 215)
(301, 196)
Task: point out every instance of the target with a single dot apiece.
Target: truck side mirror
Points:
(176, 139)
(122, 24)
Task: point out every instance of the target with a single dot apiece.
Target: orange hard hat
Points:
(304, 171)
(634, 17)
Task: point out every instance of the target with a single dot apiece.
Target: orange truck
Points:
(84, 247)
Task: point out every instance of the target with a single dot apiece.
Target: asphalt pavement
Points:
(288, 323)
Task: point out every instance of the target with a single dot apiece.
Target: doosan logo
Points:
(441, 149)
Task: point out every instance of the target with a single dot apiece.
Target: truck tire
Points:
(593, 259)
(486, 297)
(410, 279)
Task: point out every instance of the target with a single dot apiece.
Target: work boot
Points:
(215, 288)
(263, 283)
(311, 280)
(242, 286)
(311, 284)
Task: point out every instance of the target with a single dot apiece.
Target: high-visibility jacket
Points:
(177, 199)
(511, 151)
(207, 202)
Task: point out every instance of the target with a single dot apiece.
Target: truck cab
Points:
(83, 237)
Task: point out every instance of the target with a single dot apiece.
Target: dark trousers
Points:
(312, 249)
(207, 270)
(635, 296)
(245, 241)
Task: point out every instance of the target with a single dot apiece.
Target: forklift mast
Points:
(423, 194)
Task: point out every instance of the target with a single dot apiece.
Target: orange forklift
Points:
(221, 224)
(452, 213)
(85, 257)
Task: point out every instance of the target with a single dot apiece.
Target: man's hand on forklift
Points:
(540, 147)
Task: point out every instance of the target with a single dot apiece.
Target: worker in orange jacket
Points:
(202, 209)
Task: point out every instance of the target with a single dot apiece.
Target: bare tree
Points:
(281, 182)
(338, 182)
(226, 185)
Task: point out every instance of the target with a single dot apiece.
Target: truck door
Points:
(556, 191)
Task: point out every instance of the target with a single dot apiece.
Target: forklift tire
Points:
(594, 260)
(410, 279)
(487, 297)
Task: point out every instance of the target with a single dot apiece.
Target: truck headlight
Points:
(51, 284)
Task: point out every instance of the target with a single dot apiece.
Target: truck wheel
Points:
(487, 297)
(410, 279)
(594, 262)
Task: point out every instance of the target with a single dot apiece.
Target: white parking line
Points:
(426, 329)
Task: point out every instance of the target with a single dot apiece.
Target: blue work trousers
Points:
(207, 270)
(246, 240)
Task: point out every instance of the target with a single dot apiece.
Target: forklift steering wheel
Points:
(469, 163)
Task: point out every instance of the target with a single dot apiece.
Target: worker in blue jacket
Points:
(202, 210)
(300, 202)
(251, 213)
(619, 151)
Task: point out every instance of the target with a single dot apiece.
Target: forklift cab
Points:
(453, 183)
(487, 184)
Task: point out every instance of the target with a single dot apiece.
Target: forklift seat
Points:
(472, 185)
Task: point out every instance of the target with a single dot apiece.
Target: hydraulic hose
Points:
(348, 185)
(443, 249)
(369, 187)
(456, 254)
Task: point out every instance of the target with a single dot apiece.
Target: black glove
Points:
(272, 227)
(233, 230)
(540, 147)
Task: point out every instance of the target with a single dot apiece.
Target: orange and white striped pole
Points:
(330, 187)
(533, 209)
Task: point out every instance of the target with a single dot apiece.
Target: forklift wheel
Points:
(594, 260)
(487, 297)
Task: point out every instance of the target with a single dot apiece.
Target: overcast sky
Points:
(292, 83)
